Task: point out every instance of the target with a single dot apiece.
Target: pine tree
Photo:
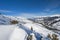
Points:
(14, 22)
(29, 37)
(49, 36)
(31, 29)
(54, 37)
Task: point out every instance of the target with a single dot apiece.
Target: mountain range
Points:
(33, 28)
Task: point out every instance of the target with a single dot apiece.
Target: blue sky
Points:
(29, 7)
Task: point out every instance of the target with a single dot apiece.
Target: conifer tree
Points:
(54, 37)
(49, 36)
(29, 37)
(31, 29)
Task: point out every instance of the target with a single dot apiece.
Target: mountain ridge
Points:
(40, 27)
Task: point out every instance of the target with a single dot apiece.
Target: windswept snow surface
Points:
(5, 31)
(39, 29)
(18, 34)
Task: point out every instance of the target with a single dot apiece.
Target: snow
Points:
(38, 29)
(18, 34)
(57, 25)
(21, 30)
(34, 38)
(5, 31)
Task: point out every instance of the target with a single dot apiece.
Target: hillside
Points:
(38, 28)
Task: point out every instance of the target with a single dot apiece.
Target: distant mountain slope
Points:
(49, 22)
(4, 19)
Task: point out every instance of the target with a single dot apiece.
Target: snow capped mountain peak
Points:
(55, 15)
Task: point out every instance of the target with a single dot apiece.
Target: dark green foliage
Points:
(31, 29)
(14, 22)
(29, 37)
(49, 36)
(54, 37)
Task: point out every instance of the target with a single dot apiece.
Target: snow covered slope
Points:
(5, 31)
(18, 34)
(50, 22)
(36, 27)
(4, 20)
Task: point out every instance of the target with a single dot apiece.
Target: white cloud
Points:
(5, 11)
(27, 15)
(47, 10)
